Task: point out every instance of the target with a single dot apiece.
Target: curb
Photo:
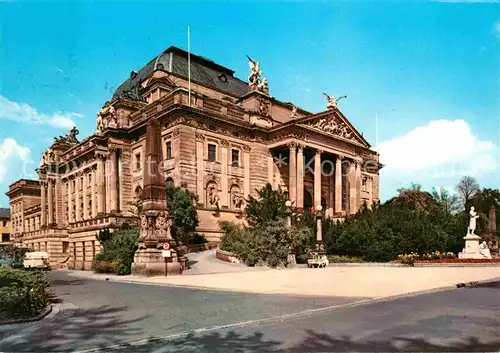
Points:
(43, 314)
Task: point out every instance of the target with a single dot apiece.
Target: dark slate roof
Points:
(203, 71)
(4, 213)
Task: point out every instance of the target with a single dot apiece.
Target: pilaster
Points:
(300, 176)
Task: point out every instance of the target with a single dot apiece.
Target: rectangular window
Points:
(235, 157)
(212, 152)
(168, 149)
(5, 237)
(138, 161)
(81, 183)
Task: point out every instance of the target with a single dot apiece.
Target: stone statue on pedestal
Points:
(472, 221)
(484, 250)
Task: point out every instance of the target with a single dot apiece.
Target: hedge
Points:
(23, 293)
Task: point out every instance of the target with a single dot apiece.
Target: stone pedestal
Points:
(150, 262)
(471, 249)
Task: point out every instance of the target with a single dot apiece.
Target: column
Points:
(101, 189)
(93, 192)
(338, 185)
(352, 188)
(78, 211)
(223, 180)
(246, 171)
(114, 181)
(44, 216)
(317, 178)
(70, 203)
(300, 176)
(270, 169)
(358, 185)
(200, 187)
(50, 205)
(292, 176)
(369, 188)
(85, 197)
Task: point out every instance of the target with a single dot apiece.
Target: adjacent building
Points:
(5, 226)
(221, 136)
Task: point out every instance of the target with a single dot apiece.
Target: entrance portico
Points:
(314, 176)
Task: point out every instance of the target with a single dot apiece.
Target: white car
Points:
(36, 259)
(317, 260)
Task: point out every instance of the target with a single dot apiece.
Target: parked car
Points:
(37, 260)
(317, 260)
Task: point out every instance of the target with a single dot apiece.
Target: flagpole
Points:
(189, 68)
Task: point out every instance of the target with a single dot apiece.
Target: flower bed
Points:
(459, 261)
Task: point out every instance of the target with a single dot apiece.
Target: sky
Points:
(422, 79)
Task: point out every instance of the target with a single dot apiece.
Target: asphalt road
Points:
(115, 317)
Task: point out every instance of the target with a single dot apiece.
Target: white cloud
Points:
(12, 157)
(440, 152)
(496, 29)
(22, 112)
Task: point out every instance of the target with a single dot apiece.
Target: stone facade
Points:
(5, 226)
(224, 139)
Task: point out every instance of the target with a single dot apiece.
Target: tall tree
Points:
(447, 200)
(467, 187)
(181, 207)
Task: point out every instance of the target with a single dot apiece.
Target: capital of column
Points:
(292, 146)
(224, 143)
(300, 147)
(318, 152)
(338, 160)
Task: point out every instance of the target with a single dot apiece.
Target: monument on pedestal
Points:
(149, 259)
(472, 249)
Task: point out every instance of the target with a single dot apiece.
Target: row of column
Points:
(104, 173)
(296, 180)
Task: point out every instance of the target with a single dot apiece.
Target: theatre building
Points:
(224, 138)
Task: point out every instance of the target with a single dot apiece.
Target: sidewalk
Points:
(375, 282)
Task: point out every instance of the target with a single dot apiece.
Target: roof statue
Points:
(332, 101)
(254, 79)
(293, 114)
(70, 137)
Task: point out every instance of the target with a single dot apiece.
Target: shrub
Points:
(181, 206)
(198, 239)
(22, 293)
(270, 243)
(344, 259)
(118, 251)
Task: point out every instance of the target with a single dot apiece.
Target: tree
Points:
(269, 206)
(448, 201)
(467, 188)
(182, 210)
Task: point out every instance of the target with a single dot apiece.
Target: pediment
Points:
(333, 124)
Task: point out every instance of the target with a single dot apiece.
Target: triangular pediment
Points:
(333, 123)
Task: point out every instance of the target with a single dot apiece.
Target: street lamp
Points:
(288, 212)
(319, 228)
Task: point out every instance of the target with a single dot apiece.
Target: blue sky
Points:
(429, 71)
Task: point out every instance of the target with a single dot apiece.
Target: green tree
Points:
(118, 248)
(268, 206)
(447, 200)
(181, 206)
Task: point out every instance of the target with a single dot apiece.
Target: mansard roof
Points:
(203, 71)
